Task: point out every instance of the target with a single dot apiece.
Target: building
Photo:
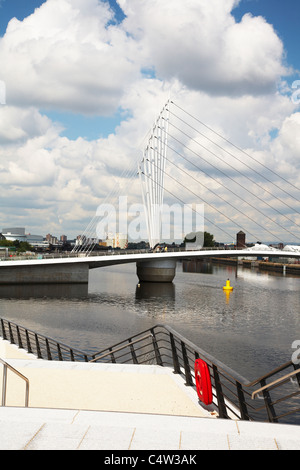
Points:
(51, 239)
(14, 233)
(240, 240)
(119, 240)
(18, 233)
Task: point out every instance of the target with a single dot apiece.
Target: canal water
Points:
(251, 330)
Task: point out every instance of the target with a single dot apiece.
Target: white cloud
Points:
(66, 56)
(69, 56)
(201, 44)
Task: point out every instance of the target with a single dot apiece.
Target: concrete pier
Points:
(156, 270)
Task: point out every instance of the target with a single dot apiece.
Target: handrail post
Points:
(268, 403)
(220, 397)
(188, 375)
(29, 348)
(112, 356)
(134, 358)
(59, 352)
(11, 333)
(19, 338)
(38, 349)
(242, 402)
(297, 367)
(156, 348)
(48, 350)
(4, 384)
(174, 355)
(3, 330)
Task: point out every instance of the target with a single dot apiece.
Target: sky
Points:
(82, 82)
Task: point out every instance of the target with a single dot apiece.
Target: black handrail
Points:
(232, 393)
(41, 346)
(278, 398)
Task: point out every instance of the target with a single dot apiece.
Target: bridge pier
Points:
(156, 270)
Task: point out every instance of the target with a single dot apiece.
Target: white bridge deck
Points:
(113, 259)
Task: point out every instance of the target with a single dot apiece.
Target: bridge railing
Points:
(112, 252)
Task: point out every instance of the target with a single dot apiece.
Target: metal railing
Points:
(41, 346)
(4, 382)
(112, 252)
(274, 397)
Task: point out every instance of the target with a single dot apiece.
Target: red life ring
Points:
(203, 382)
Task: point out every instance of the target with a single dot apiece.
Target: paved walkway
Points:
(45, 429)
(119, 407)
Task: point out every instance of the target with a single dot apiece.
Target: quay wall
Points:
(263, 265)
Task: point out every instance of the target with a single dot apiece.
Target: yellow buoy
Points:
(228, 286)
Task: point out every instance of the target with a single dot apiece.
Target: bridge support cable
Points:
(194, 210)
(236, 147)
(239, 197)
(236, 182)
(226, 202)
(86, 243)
(87, 240)
(230, 190)
(231, 166)
(151, 167)
(219, 211)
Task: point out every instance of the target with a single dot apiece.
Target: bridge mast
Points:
(151, 172)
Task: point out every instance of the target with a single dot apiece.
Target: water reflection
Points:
(197, 266)
(51, 291)
(150, 290)
(227, 296)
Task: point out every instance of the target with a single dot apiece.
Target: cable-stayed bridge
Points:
(185, 160)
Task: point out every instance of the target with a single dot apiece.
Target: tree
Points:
(6, 243)
(24, 246)
(208, 240)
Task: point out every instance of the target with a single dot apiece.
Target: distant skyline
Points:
(85, 80)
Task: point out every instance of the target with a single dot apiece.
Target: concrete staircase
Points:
(119, 407)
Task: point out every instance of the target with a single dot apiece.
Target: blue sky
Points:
(284, 16)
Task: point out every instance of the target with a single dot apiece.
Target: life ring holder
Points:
(203, 382)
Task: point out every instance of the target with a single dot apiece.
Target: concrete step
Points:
(44, 429)
(119, 407)
(102, 387)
